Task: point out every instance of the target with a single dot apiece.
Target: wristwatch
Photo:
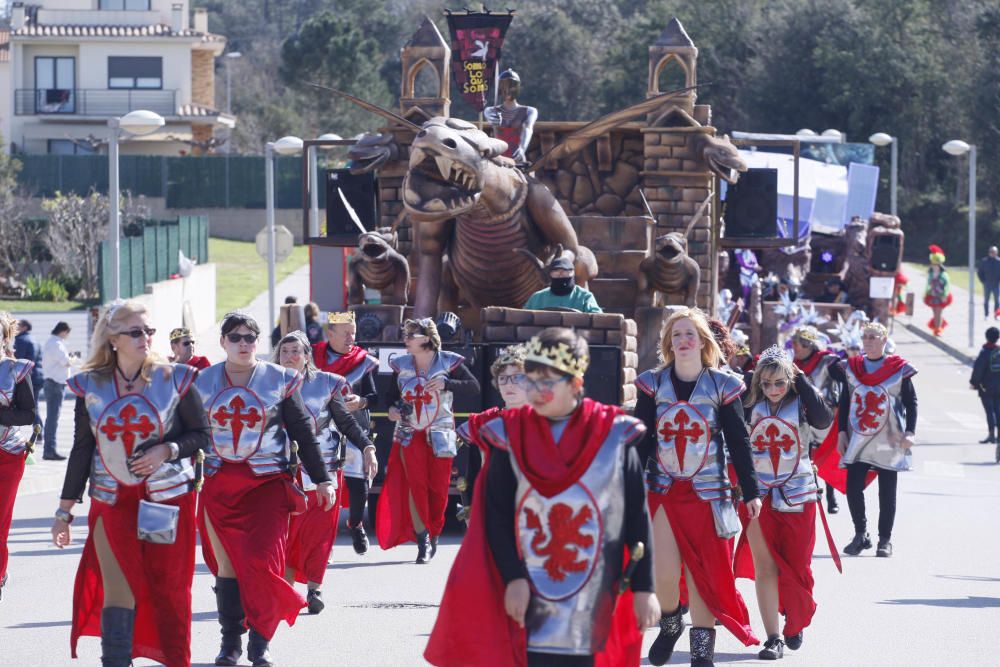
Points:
(175, 450)
(64, 516)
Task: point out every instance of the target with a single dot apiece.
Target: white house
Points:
(67, 66)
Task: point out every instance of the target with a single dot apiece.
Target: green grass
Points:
(27, 306)
(241, 274)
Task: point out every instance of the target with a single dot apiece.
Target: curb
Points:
(940, 343)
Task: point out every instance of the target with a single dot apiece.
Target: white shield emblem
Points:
(559, 539)
(683, 435)
(870, 408)
(776, 450)
(426, 404)
(237, 419)
(127, 423)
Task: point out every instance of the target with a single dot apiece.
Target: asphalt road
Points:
(936, 602)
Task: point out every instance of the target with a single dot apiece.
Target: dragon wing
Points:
(368, 106)
(579, 139)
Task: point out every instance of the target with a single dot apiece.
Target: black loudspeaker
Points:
(752, 205)
(347, 192)
(885, 252)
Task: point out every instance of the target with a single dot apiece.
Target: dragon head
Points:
(453, 168)
(375, 246)
(722, 158)
(671, 247)
(371, 152)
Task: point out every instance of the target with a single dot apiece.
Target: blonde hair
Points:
(768, 366)
(297, 337)
(710, 352)
(111, 322)
(8, 329)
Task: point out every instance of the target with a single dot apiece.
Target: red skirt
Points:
(311, 536)
(706, 556)
(11, 471)
(250, 516)
(159, 576)
(790, 537)
(412, 470)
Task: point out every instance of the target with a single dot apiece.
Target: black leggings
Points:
(856, 473)
(358, 490)
(558, 660)
(991, 404)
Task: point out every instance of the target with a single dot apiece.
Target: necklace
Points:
(129, 382)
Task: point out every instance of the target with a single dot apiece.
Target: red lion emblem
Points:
(560, 554)
(869, 411)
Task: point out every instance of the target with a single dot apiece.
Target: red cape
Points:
(199, 362)
(412, 471)
(343, 365)
(889, 367)
(809, 364)
(472, 627)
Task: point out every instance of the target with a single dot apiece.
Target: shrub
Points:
(46, 289)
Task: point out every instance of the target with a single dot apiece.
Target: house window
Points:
(127, 72)
(68, 147)
(130, 5)
(55, 79)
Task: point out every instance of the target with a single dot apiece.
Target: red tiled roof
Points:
(158, 30)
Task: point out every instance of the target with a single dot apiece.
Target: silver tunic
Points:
(572, 545)
(353, 454)
(828, 388)
(316, 396)
(781, 456)
(246, 421)
(431, 409)
(877, 421)
(13, 439)
(124, 424)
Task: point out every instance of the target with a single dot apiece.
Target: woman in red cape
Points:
(690, 408)
(254, 408)
(134, 594)
(414, 494)
(17, 408)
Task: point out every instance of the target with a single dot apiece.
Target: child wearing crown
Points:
(693, 417)
(564, 494)
(783, 407)
(937, 293)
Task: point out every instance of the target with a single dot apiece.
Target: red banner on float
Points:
(476, 40)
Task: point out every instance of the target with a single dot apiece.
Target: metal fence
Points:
(185, 182)
(153, 256)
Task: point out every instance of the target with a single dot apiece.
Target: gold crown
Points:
(512, 356)
(808, 333)
(876, 326)
(180, 332)
(340, 318)
(559, 357)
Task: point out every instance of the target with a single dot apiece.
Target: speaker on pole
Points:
(752, 205)
(351, 203)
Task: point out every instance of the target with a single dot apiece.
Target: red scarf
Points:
(553, 468)
(809, 364)
(889, 367)
(342, 366)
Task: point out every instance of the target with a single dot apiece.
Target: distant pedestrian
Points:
(25, 347)
(937, 294)
(276, 334)
(989, 276)
(986, 380)
(314, 330)
(56, 365)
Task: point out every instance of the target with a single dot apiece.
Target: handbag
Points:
(157, 523)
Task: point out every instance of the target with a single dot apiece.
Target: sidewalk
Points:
(955, 338)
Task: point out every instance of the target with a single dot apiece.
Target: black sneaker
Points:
(990, 439)
(794, 642)
(53, 457)
(860, 542)
(314, 601)
(773, 649)
(884, 549)
(360, 539)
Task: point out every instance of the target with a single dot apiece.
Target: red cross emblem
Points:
(128, 428)
(680, 430)
(774, 440)
(236, 417)
(418, 399)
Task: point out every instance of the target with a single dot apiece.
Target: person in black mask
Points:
(562, 292)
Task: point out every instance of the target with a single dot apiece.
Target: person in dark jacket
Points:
(25, 347)
(986, 380)
(989, 275)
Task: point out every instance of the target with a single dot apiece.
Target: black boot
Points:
(227, 601)
(831, 500)
(703, 647)
(258, 650)
(773, 649)
(990, 439)
(434, 547)
(860, 542)
(314, 601)
(671, 628)
(795, 641)
(116, 636)
(884, 549)
(423, 546)
(360, 539)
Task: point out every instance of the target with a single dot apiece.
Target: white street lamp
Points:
(805, 132)
(283, 146)
(883, 139)
(135, 123)
(957, 148)
(835, 134)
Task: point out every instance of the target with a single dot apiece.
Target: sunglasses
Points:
(138, 333)
(871, 337)
(250, 338)
(516, 379)
(414, 336)
(186, 343)
(766, 385)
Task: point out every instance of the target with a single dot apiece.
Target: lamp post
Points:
(231, 56)
(834, 134)
(136, 123)
(882, 139)
(957, 148)
(283, 146)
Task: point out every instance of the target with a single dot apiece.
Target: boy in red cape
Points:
(564, 491)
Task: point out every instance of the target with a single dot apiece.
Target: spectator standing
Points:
(314, 330)
(25, 347)
(56, 364)
(986, 380)
(989, 276)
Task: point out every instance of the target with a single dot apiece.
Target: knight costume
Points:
(17, 412)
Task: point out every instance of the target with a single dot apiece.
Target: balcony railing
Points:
(92, 102)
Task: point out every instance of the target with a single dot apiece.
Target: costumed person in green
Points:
(937, 294)
(562, 292)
